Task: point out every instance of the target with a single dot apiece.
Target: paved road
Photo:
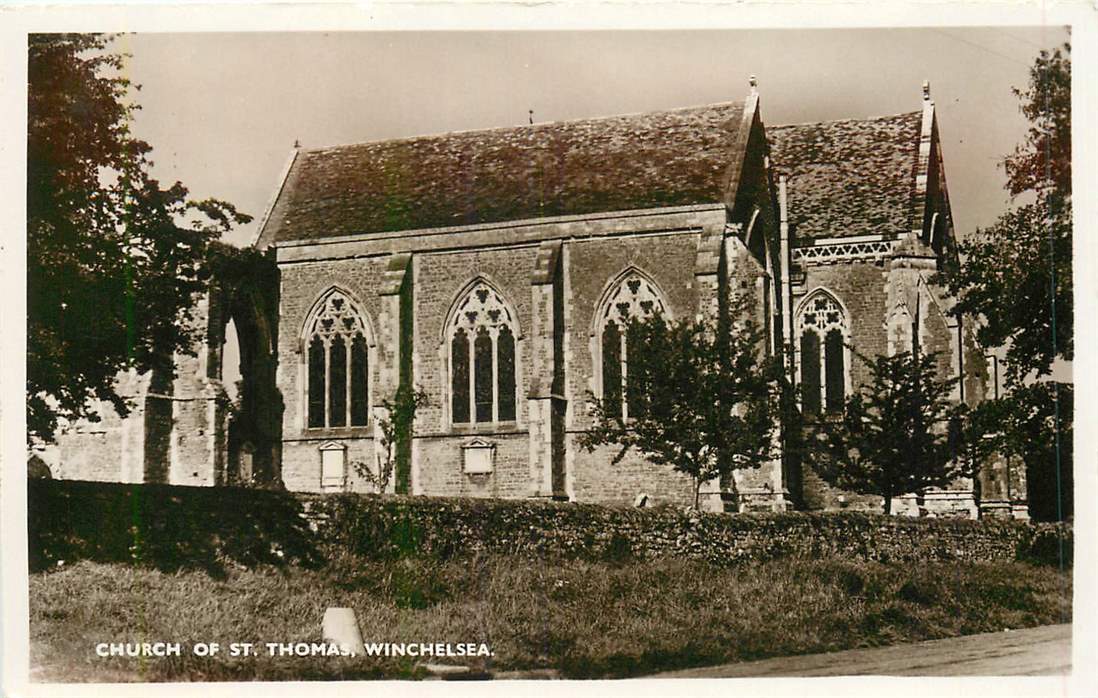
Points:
(1040, 651)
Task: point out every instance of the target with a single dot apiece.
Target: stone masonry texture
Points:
(550, 216)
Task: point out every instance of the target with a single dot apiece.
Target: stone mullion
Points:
(493, 332)
(347, 379)
(472, 376)
(624, 371)
(303, 414)
(823, 371)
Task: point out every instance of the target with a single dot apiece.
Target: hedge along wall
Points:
(446, 527)
(172, 527)
(165, 526)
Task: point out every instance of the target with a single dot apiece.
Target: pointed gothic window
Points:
(338, 371)
(634, 297)
(822, 327)
(482, 358)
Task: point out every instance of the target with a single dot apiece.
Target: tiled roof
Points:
(848, 178)
(659, 159)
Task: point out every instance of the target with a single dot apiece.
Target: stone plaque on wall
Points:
(478, 456)
(333, 465)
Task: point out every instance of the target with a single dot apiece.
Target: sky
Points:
(223, 111)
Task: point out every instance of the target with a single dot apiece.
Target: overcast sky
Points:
(222, 111)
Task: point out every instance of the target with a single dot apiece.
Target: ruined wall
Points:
(172, 433)
(109, 450)
(182, 419)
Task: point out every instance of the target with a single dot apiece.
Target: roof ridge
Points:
(840, 121)
(540, 124)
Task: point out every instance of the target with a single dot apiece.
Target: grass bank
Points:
(587, 619)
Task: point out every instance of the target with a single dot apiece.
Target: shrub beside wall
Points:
(171, 527)
(164, 526)
(445, 527)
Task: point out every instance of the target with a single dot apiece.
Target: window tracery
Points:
(822, 329)
(633, 297)
(481, 339)
(338, 364)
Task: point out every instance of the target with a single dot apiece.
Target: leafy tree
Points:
(113, 258)
(1022, 427)
(894, 436)
(397, 425)
(702, 400)
(1016, 276)
(1043, 162)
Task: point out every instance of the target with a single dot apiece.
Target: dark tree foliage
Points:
(1013, 275)
(1022, 427)
(1016, 275)
(701, 400)
(894, 436)
(1043, 162)
(113, 258)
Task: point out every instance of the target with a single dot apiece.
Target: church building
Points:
(496, 270)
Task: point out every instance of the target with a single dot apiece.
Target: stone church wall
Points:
(302, 285)
(439, 278)
(867, 289)
(438, 466)
(590, 266)
(437, 453)
(861, 288)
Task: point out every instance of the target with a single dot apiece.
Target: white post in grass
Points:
(341, 628)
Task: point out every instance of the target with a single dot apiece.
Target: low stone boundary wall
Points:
(172, 527)
(445, 527)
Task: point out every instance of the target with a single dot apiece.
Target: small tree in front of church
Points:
(399, 420)
(701, 395)
(901, 433)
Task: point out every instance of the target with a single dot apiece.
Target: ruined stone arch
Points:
(244, 291)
